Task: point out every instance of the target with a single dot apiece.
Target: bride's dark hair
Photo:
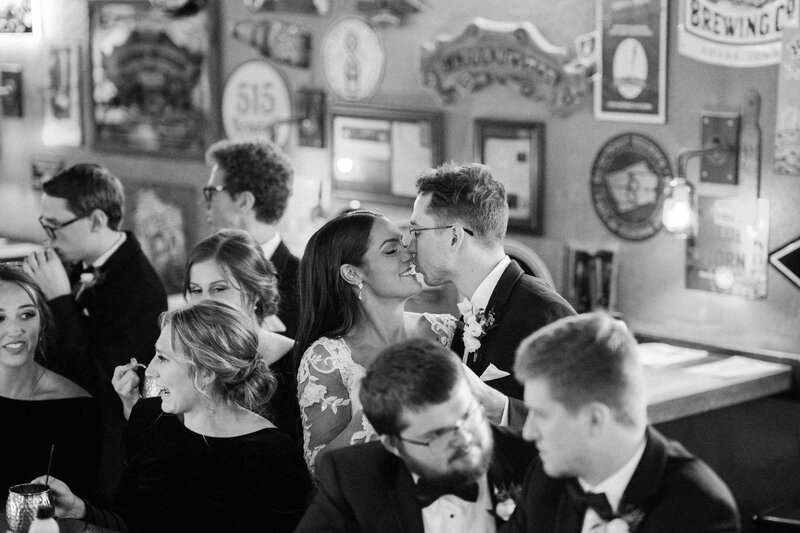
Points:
(328, 304)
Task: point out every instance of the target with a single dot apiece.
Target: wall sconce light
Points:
(679, 214)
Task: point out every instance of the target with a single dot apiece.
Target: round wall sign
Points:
(352, 59)
(628, 177)
(254, 102)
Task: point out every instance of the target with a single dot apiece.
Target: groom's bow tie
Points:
(427, 493)
(595, 500)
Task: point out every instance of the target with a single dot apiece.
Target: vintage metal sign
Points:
(509, 53)
(627, 183)
(735, 33)
(729, 253)
(280, 41)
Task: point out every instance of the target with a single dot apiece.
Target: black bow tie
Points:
(427, 493)
(595, 500)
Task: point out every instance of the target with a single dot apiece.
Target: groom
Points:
(456, 233)
(602, 468)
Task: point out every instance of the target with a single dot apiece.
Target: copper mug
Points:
(23, 502)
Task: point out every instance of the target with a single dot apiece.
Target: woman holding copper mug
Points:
(39, 409)
(201, 457)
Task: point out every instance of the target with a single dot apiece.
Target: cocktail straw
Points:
(49, 462)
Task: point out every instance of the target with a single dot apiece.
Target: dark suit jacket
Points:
(286, 266)
(521, 304)
(285, 411)
(111, 322)
(677, 492)
(364, 488)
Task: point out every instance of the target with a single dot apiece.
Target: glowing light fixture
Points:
(679, 214)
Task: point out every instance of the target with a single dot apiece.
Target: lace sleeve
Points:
(328, 413)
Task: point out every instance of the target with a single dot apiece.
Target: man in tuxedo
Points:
(248, 189)
(106, 311)
(601, 467)
(438, 466)
(456, 232)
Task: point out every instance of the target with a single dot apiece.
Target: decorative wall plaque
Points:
(510, 53)
(280, 41)
(353, 59)
(256, 103)
(628, 178)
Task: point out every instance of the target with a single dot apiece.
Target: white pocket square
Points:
(492, 372)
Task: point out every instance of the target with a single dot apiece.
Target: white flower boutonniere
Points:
(89, 280)
(475, 325)
(506, 498)
(625, 522)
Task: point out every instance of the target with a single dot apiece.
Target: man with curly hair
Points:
(248, 189)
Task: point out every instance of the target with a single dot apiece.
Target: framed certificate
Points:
(515, 153)
(378, 153)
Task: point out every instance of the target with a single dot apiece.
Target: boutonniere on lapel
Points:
(475, 325)
(89, 280)
(506, 498)
(626, 521)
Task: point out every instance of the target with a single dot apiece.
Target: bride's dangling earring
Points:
(360, 292)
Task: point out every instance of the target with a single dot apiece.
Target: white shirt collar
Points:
(480, 298)
(271, 245)
(615, 484)
(100, 261)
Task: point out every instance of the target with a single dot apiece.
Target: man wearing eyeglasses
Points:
(456, 233)
(106, 310)
(439, 465)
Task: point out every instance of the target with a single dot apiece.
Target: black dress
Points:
(178, 480)
(30, 427)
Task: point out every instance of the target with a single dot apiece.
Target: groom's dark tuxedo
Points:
(676, 492)
(364, 488)
(521, 304)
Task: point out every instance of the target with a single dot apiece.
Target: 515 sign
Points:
(256, 103)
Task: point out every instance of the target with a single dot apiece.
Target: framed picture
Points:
(378, 153)
(164, 219)
(61, 125)
(19, 17)
(152, 90)
(631, 80)
(515, 153)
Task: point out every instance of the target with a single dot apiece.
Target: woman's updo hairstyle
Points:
(220, 339)
(240, 256)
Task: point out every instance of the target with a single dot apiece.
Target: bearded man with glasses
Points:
(439, 464)
(106, 308)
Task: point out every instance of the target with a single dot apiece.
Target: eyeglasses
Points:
(208, 192)
(443, 438)
(411, 232)
(51, 230)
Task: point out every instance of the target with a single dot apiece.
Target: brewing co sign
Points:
(742, 33)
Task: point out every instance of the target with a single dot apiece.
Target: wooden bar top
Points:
(683, 382)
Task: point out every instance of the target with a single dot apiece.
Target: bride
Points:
(355, 277)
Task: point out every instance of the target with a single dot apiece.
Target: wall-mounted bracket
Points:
(11, 89)
(720, 129)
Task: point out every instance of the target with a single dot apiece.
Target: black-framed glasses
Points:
(443, 438)
(208, 192)
(411, 232)
(51, 230)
